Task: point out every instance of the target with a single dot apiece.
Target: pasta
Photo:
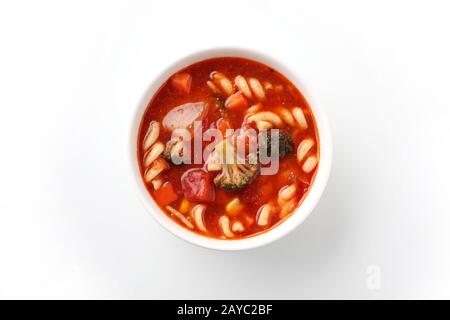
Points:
(153, 153)
(224, 223)
(197, 214)
(300, 117)
(287, 193)
(309, 164)
(257, 88)
(266, 116)
(243, 86)
(303, 148)
(152, 135)
(220, 80)
(250, 87)
(157, 183)
(264, 215)
(287, 116)
(180, 216)
(237, 227)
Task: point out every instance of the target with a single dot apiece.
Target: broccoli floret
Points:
(285, 144)
(237, 172)
(173, 151)
(236, 176)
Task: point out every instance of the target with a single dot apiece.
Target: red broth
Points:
(194, 200)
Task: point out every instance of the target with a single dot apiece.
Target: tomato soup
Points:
(228, 148)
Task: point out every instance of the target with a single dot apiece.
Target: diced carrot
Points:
(185, 206)
(165, 194)
(182, 82)
(236, 102)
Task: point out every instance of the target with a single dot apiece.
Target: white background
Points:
(71, 224)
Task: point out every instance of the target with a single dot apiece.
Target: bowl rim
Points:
(309, 202)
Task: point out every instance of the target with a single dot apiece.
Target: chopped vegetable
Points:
(198, 186)
(185, 206)
(165, 194)
(236, 102)
(173, 151)
(183, 116)
(282, 138)
(237, 172)
(182, 82)
(234, 207)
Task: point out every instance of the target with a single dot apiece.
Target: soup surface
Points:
(228, 148)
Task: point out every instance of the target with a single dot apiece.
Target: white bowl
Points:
(286, 226)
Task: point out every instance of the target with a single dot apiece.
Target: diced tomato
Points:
(198, 186)
(223, 125)
(182, 82)
(165, 194)
(236, 102)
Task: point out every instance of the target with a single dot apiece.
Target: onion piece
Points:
(183, 116)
